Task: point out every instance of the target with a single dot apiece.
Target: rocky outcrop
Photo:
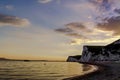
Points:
(73, 58)
(110, 52)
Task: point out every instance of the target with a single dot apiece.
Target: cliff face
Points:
(110, 52)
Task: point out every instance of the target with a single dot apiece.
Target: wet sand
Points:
(103, 73)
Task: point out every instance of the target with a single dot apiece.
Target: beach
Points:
(102, 73)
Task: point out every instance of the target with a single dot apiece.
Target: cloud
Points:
(104, 16)
(117, 11)
(44, 1)
(81, 33)
(109, 17)
(79, 30)
(7, 20)
(64, 30)
(95, 10)
(74, 29)
(78, 27)
(76, 35)
(113, 24)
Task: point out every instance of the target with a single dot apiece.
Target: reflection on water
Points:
(18, 70)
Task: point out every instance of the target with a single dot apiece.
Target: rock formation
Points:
(74, 58)
(110, 52)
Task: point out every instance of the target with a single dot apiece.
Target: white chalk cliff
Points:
(110, 52)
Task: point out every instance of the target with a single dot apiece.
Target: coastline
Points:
(102, 73)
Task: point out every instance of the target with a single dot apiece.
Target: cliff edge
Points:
(93, 54)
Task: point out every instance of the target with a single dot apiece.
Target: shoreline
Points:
(102, 73)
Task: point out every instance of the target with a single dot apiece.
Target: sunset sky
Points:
(56, 29)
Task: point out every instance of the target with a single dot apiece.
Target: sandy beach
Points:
(103, 73)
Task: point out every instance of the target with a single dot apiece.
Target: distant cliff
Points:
(73, 58)
(110, 52)
(3, 59)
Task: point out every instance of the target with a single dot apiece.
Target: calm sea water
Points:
(19, 70)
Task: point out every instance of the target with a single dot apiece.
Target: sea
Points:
(21, 70)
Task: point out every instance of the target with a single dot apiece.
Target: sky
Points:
(56, 29)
